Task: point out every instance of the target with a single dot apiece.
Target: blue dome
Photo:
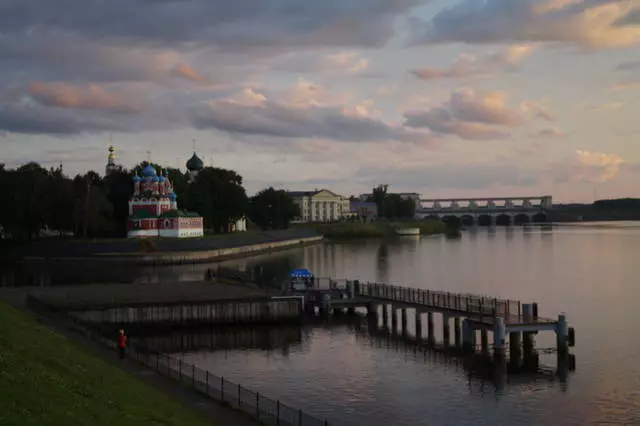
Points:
(136, 178)
(173, 196)
(149, 171)
(155, 179)
(161, 179)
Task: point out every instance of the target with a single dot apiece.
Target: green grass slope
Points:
(47, 380)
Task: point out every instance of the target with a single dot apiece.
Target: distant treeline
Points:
(616, 209)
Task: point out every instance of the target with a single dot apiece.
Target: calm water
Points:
(352, 378)
(588, 272)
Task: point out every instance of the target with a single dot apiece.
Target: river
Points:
(588, 271)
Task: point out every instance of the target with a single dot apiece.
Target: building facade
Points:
(153, 209)
(364, 211)
(320, 206)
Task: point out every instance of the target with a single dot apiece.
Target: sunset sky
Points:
(442, 97)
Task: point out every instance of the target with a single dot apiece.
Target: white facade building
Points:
(320, 206)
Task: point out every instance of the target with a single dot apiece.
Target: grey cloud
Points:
(497, 21)
(468, 114)
(36, 120)
(234, 25)
(629, 66)
(440, 120)
(278, 119)
(30, 117)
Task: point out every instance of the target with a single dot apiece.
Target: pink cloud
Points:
(469, 114)
(477, 66)
(92, 96)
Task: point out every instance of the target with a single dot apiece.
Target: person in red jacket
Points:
(122, 343)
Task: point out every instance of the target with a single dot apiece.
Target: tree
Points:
(218, 195)
(397, 207)
(118, 186)
(379, 197)
(86, 209)
(30, 188)
(58, 201)
(273, 209)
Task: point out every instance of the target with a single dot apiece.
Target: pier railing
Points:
(468, 303)
(267, 411)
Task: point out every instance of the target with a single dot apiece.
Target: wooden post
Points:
(206, 381)
(222, 389)
(258, 405)
(278, 413)
(239, 400)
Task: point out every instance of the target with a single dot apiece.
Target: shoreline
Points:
(165, 251)
(182, 257)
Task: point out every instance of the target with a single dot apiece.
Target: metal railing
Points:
(468, 303)
(265, 410)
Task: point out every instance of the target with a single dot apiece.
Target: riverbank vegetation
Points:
(601, 210)
(45, 379)
(44, 202)
(377, 229)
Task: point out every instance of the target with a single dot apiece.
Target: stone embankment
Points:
(166, 251)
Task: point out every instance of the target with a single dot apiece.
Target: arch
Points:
(539, 218)
(503, 220)
(468, 220)
(521, 219)
(485, 220)
(451, 219)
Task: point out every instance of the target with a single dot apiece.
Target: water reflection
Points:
(219, 338)
(383, 262)
(353, 371)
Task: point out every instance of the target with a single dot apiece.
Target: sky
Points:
(447, 98)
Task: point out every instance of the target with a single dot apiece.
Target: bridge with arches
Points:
(487, 211)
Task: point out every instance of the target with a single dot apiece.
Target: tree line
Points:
(392, 206)
(38, 200)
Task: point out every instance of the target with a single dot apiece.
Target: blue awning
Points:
(300, 273)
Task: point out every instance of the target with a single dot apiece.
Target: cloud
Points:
(589, 24)
(469, 114)
(587, 167)
(628, 84)
(185, 71)
(629, 66)
(86, 97)
(477, 66)
(240, 25)
(299, 116)
(538, 109)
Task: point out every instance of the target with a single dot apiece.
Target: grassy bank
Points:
(347, 230)
(46, 380)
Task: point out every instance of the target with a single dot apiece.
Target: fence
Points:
(467, 303)
(265, 410)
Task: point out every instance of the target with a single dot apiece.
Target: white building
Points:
(320, 206)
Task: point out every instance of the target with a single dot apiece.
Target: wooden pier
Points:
(471, 314)
(473, 318)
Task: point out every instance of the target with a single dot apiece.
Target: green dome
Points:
(195, 163)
